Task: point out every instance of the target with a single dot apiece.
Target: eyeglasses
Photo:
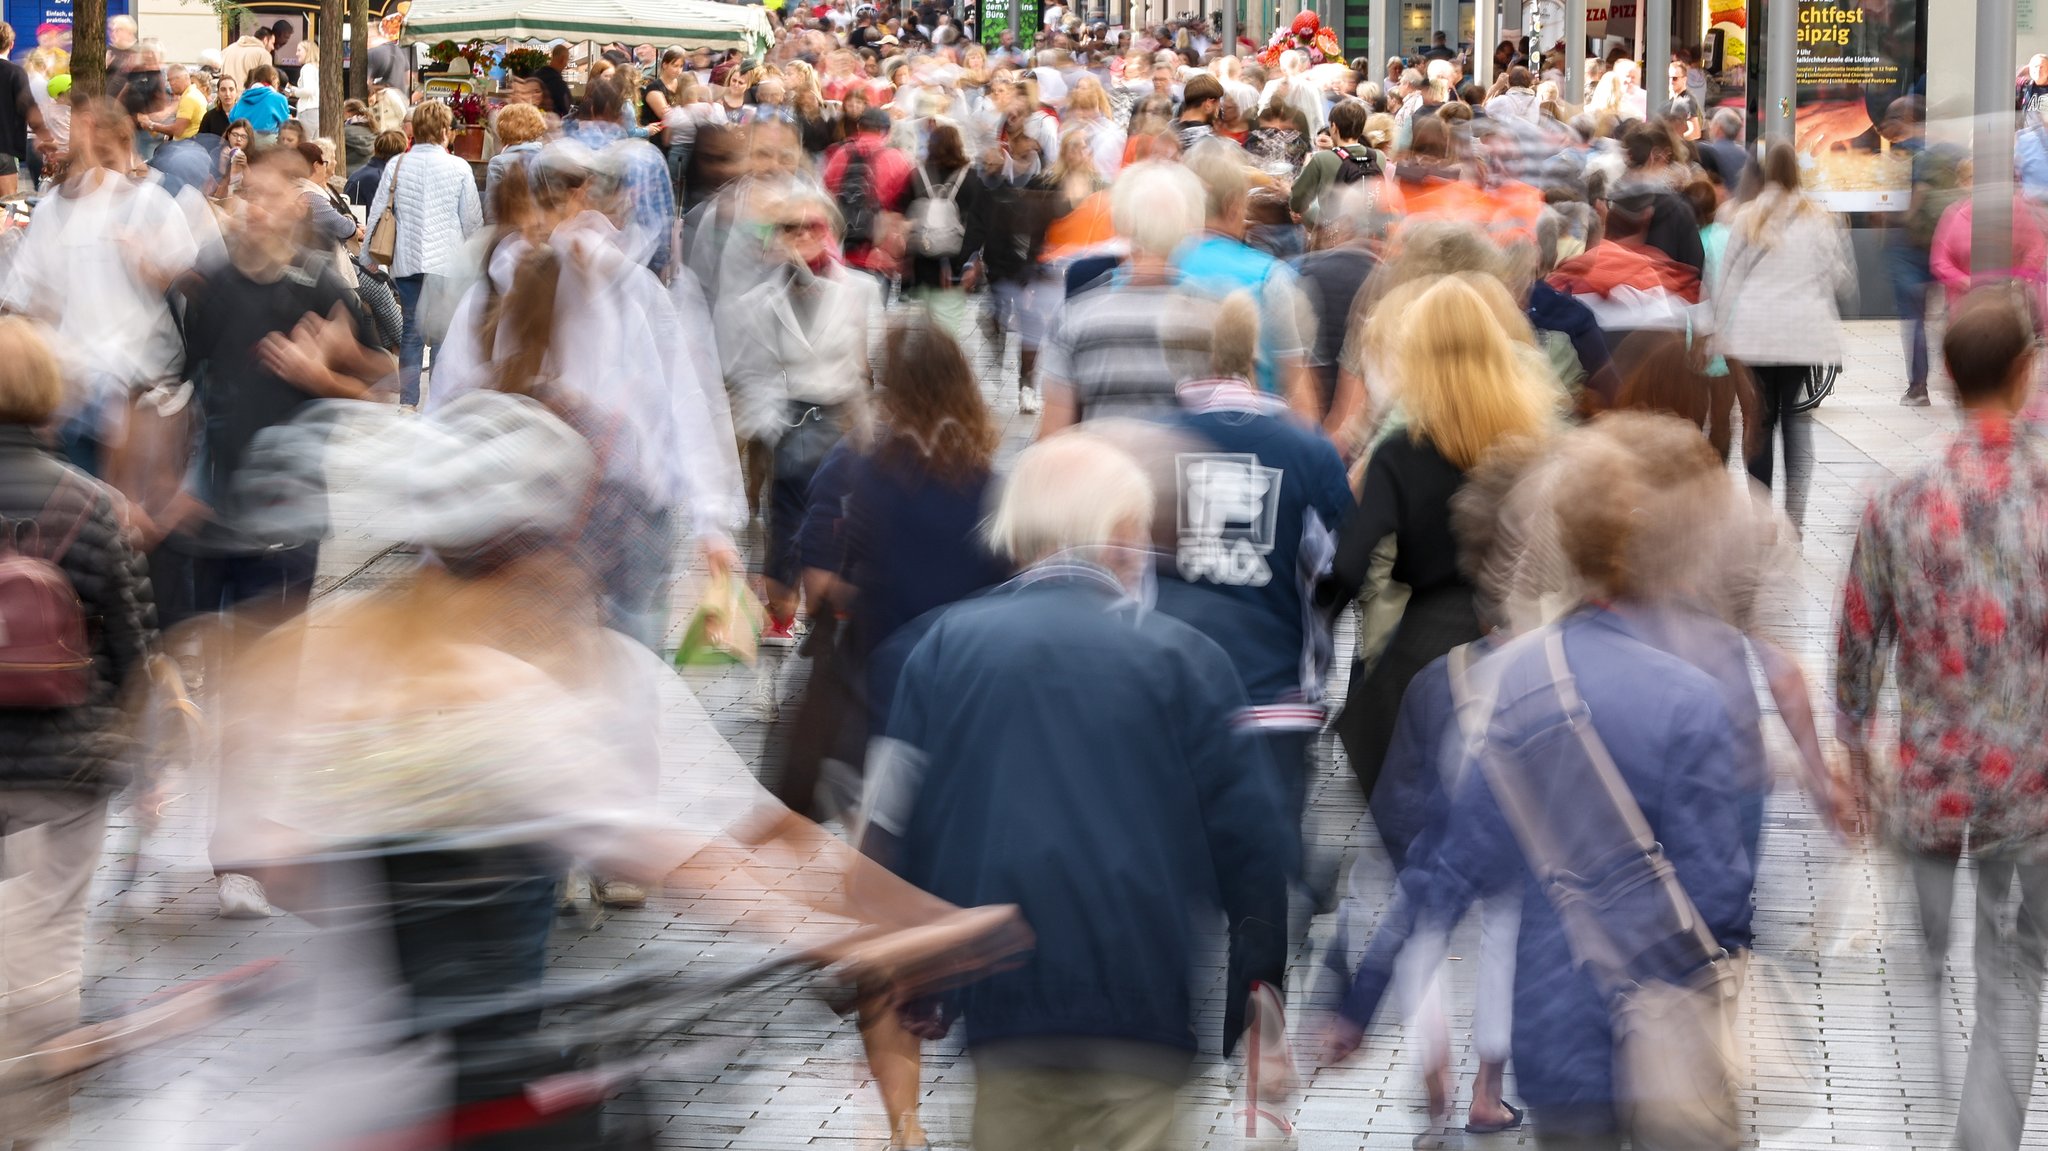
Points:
(800, 227)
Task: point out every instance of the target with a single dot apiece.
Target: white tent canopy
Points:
(686, 23)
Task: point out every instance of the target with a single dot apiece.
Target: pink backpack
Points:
(45, 653)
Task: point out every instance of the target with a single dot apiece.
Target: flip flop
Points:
(1514, 1120)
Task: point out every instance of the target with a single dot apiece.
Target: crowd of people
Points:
(1323, 358)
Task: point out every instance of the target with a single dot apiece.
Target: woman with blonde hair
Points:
(1463, 390)
(1088, 114)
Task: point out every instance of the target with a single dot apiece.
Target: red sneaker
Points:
(779, 632)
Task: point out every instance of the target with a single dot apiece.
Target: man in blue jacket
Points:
(1056, 744)
(1259, 497)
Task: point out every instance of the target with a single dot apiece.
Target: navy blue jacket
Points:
(1255, 528)
(1668, 731)
(1076, 756)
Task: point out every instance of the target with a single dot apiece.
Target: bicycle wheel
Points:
(1820, 383)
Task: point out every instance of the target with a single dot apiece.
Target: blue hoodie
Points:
(264, 108)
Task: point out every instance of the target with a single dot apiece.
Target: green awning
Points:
(684, 23)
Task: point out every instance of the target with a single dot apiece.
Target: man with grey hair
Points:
(1725, 146)
(1055, 744)
(1120, 347)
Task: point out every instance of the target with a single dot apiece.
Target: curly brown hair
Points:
(933, 415)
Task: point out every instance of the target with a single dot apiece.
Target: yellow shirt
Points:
(191, 109)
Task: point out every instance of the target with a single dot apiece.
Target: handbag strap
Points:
(1605, 799)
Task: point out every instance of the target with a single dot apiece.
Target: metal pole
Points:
(1386, 34)
(1575, 51)
(1656, 55)
(1485, 32)
(1781, 69)
(1230, 27)
(1991, 136)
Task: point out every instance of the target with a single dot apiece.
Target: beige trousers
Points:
(49, 845)
(1031, 1109)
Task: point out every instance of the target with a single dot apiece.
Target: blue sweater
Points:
(1668, 731)
(1077, 758)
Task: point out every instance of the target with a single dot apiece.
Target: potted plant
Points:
(524, 62)
(471, 114)
(441, 54)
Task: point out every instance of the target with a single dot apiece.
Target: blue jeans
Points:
(1910, 278)
(411, 343)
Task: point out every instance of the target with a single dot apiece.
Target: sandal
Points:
(1513, 1121)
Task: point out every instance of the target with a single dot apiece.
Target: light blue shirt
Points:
(1217, 265)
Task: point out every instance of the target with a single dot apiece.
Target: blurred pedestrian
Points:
(796, 358)
(1054, 742)
(1120, 348)
(1945, 574)
(1254, 530)
(432, 195)
(59, 761)
(1461, 391)
(1546, 800)
(1787, 260)
(117, 242)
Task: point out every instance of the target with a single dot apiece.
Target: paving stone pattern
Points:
(1854, 1053)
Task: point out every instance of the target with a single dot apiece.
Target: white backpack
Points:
(936, 229)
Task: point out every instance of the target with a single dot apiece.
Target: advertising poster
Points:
(1855, 58)
(1727, 47)
(999, 16)
(25, 16)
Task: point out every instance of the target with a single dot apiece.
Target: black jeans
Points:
(470, 929)
(1779, 387)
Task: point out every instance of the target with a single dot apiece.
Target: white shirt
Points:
(85, 268)
(621, 343)
(437, 209)
(308, 92)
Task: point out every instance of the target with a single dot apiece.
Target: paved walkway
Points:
(1854, 1052)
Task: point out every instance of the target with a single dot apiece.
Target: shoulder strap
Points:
(1606, 800)
(392, 206)
(66, 483)
(953, 185)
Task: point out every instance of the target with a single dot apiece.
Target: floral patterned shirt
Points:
(1951, 569)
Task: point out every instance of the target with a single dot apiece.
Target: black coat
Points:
(80, 748)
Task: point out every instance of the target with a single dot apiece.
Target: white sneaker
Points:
(241, 897)
(1027, 400)
(619, 893)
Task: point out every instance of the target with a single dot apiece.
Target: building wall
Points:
(186, 27)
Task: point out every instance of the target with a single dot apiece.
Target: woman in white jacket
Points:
(1775, 311)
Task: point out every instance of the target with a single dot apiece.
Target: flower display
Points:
(1306, 34)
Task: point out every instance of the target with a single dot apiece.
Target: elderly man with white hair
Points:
(1056, 744)
(1121, 347)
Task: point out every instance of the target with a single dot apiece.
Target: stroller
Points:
(551, 1068)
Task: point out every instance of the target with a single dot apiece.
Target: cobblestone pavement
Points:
(1853, 1050)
